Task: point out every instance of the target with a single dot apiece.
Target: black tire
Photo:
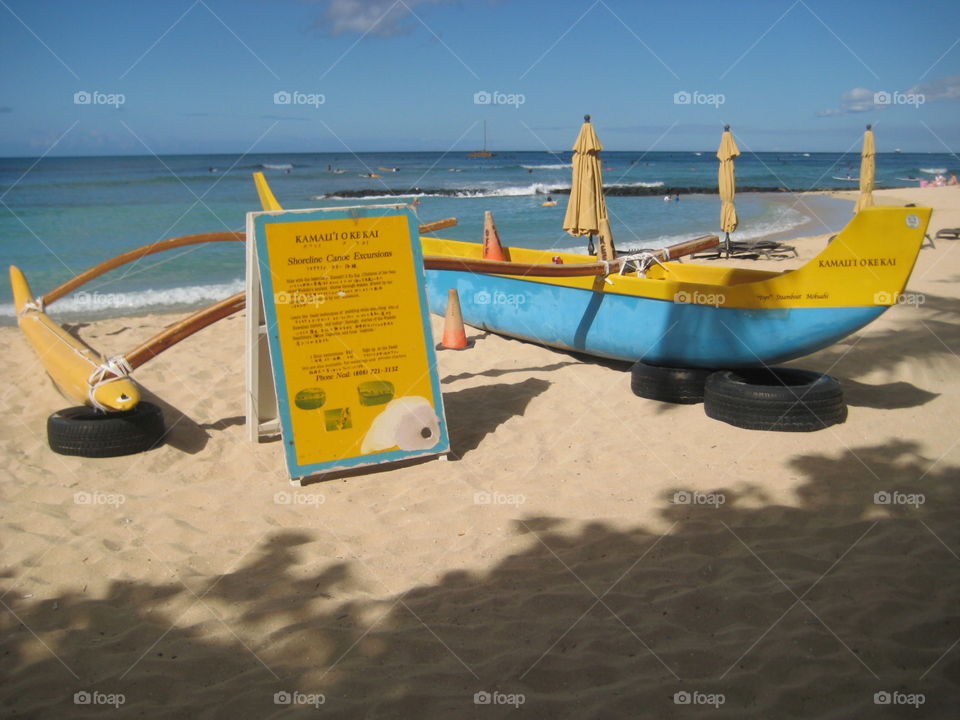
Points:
(683, 386)
(87, 432)
(781, 399)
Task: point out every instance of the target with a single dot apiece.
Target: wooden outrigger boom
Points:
(520, 269)
(149, 349)
(133, 255)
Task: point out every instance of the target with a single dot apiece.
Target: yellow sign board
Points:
(349, 335)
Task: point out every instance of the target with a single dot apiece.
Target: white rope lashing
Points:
(35, 304)
(114, 368)
(641, 262)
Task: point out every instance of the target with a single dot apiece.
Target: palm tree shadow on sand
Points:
(803, 611)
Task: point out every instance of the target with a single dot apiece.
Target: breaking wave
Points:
(99, 303)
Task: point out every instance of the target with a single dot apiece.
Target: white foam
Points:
(509, 191)
(933, 171)
(101, 303)
(281, 166)
(542, 189)
(516, 191)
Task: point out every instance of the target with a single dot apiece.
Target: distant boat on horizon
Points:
(482, 153)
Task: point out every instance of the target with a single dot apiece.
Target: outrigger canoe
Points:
(666, 313)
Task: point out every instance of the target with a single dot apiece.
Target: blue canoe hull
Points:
(630, 328)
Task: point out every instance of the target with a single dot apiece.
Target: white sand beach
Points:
(546, 561)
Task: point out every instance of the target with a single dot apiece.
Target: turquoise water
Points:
(59, 216)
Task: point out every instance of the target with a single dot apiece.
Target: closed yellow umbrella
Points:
(868, 171)
(587, 208)
(727, 180)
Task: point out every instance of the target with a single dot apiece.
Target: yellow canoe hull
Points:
(868, 264)
(68, 361)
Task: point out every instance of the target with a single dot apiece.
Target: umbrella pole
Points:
(590, 249)
(726, 245)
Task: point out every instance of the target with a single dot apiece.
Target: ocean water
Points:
(59, 216)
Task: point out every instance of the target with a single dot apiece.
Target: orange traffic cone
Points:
(492, 249)
(454, 335)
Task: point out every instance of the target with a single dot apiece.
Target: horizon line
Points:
(898, 151)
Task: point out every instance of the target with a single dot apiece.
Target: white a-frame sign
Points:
(337, 301)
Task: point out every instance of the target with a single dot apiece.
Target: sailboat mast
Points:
(482, 153)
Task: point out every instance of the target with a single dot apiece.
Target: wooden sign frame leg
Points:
(263, 418)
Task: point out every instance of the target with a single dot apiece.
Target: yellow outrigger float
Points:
(69, 362)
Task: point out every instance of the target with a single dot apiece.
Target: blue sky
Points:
(201, 76)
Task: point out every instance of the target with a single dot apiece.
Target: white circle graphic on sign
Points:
(408, 423)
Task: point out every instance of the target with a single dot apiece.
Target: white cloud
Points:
(385, 18)
(947, 88)
(857, 100)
